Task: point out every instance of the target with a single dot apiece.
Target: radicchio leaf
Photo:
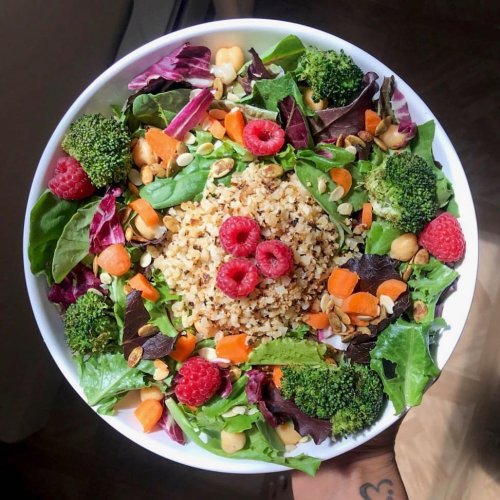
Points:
(190, 115)
(402, 114)
(293, 123)
(305, 425)
(256, 71)
(328, 124)
(253, 389)
(187, 63)
(76, 283)
(171, 427)
(105, 228)
(226, 387)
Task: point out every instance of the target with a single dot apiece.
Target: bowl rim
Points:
(39, 303)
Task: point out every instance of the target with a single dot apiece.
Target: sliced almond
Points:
(420, 310)
(340, 141)
(95, 265)
(135, 356)
(336, 194)
(147, 330)
(322, 185)
(335, 322)
(146, 175)
(354, 140)
(161, 370)
(326, 303)
(421, 257)
(407, 273)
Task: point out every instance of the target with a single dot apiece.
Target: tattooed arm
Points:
(369, 472)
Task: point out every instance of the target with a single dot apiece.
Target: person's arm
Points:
(369, 472)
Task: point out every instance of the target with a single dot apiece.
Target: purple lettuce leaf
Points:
(305, 425)
(293, 123)
(105, 228)
(360, 353)
(226, 387)
(190, 115)
(253, 389)
(269, 417)
(171, 427)
(187, 63)
(328, 124)
(256, 71)
(402, 114)
(76, 283)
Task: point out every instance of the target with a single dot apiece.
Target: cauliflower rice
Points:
(285, 211)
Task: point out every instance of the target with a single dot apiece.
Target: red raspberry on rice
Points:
(274, 258)
(263, 137)
(239, 236)
(237, 278)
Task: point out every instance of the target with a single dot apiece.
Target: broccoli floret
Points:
(102, 146)
(89, 324)
(403, 190)
(331, 75)
(351, 395)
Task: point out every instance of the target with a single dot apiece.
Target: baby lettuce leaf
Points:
(285, 53)
(405, 346)
(287, 351)
(293, 123)
(268, 93)
(379, 238)
(73, 244)
(428, 282)
(257, 446)
(48, 217)
(105, 378)
(357, 195)
(159, 109)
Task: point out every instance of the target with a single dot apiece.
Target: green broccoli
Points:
(403, 190)
(351, 395)
(331, 75)
(89, 324)
(102, 146)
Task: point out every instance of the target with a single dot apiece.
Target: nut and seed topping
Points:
(420, 310)
(161, 370)
(135, 356)
(365, 136)
(421, 257)
(184, 159)
(322, 185)
(145, 259)
(205, 149)
(147, 330)
(171, 223)
(345, 209)
(271, 171)
(354, 140)
(105, 278)
(387, 303)
(380, 144)
(146, 174)
(222, 167)
(336, 194)
(134, 176)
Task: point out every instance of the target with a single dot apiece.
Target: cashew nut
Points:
(404, 247)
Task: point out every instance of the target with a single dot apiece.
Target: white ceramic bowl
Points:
(111, 88)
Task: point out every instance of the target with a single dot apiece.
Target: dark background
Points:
(53, 446)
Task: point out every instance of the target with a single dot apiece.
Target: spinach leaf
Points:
(105, 378)
(219, 406)
(404, 345)
(48, 217)
(357, 195)
(159, 109)
(267, 94)
(286, 351)
(285, 53)
(379, 238)
(311, 177)
(73, 244)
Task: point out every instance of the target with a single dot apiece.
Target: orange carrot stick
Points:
(184, 346)
(146, 211)
(217, 129)
(342, 282)
(149, 413)
(367, 215)
(162, 144)
(393, 288)
(235, 123)
(234, 348)
(371, 121)
(148, 291)
(115, 259)
(317, 320)
(342, 177)
(277, 376)
(362, 303)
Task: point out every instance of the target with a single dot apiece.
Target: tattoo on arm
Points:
(382, 491)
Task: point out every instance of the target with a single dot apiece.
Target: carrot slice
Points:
(317, 320)
(277, 376)
(184, 346)
(362, 303)
(217, 129)
(393, 288)
(148, 291)
(342, 282)
(115, 259)
(149, 413)
(356, 321)
(234, 348)
(371, 121)
(162, 144)
(342, 177)
(146, 211)
(235, 123)
(367, 215)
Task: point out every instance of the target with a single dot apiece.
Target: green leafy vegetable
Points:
(159, 109)
(379, 237)
(286, 351)
(105, 378)
(117, 293)
(48, 217)
(73, 244)
(299, 332)
(405, 346)
(428, 282)
(285, 53)
(240, 423)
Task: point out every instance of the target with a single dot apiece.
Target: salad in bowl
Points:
(256, 243)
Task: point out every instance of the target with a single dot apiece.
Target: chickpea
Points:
(231, 442)
(311, 103)
(404, 247)
(233, 55)
(287, 433)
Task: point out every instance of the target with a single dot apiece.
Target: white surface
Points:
(111, 88)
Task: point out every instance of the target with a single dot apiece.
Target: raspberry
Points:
(197, 381)
(237, 278)
(274, 258)
(239, 236)
(263, 137)
(70, 181)
(443, 238)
